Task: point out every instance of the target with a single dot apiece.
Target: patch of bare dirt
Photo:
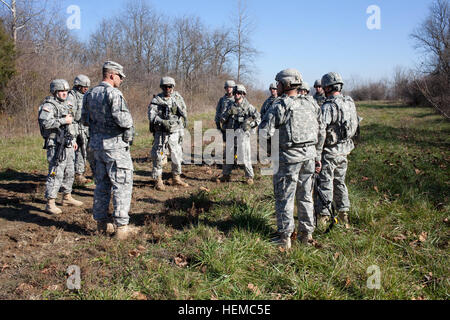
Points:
(36, 248)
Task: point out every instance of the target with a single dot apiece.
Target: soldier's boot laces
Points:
(69, 201)
(306, 238)
(51, 207)
(343, 219)
(160, 184)
(178, 182)
(282, 241)
(124, 232)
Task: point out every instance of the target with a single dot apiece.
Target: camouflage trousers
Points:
(60, 175)
(81, 155)
(241, 150)
(332, 183)
(113, 176)
(294, 181)
(163, 144)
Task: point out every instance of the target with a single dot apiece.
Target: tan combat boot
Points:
(250, 181)
(283, 242)
(178, 182)
(223, 178)
(51, 207)
(343, 219)
(80, 180)
(160, 184)
(306, 238)
(123, 232)
(103, 227)
(323, 222)
(69, 201)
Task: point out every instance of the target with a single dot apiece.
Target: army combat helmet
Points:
(82, 81)
(290, 78)
(317, 84)
(167, 81)
(240, 88)
(331, 79)
(229, 84)
(305, 86)
(59, 85)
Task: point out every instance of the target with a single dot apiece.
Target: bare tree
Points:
(243, 28)
(432, 37)
(221, 49)
(21, 14)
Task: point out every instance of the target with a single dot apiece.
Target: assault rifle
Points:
(63, 141)
(326, 202)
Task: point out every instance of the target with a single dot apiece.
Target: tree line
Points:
(146, 42)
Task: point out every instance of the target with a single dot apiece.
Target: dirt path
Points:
(30, 238)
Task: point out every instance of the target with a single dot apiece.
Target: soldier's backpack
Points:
(348, 120)
(303, 127)
(45, 133)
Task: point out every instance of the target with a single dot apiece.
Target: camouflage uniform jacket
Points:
(51, 118)
(106, 114)
(330, 116)
(266, 106)
(171, 108)
(221, 107)
(75, 102)
(320, 99)
(310, 129)
(240, 116)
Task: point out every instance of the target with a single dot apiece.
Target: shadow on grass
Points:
(182, 212)
(365, 105)
(20, 212)
(13, 175)
(412, 161)
(422, 138)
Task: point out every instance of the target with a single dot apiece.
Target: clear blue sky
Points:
(315, 37)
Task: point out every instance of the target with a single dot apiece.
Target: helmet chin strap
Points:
(59, 98)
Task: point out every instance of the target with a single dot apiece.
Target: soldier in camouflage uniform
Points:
(304, 89)
(341, 120)
(111, 129)
(54, 116)
(223, 103)
(268, 103)
(319, 96)
(302, 134)
(238, 120)
(167, 114)
(81, 85)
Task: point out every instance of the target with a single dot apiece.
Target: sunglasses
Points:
(168, 87)
(239, 92)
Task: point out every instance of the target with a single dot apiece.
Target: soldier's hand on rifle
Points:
(75, 146)
(318, 167)
(69, 119)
